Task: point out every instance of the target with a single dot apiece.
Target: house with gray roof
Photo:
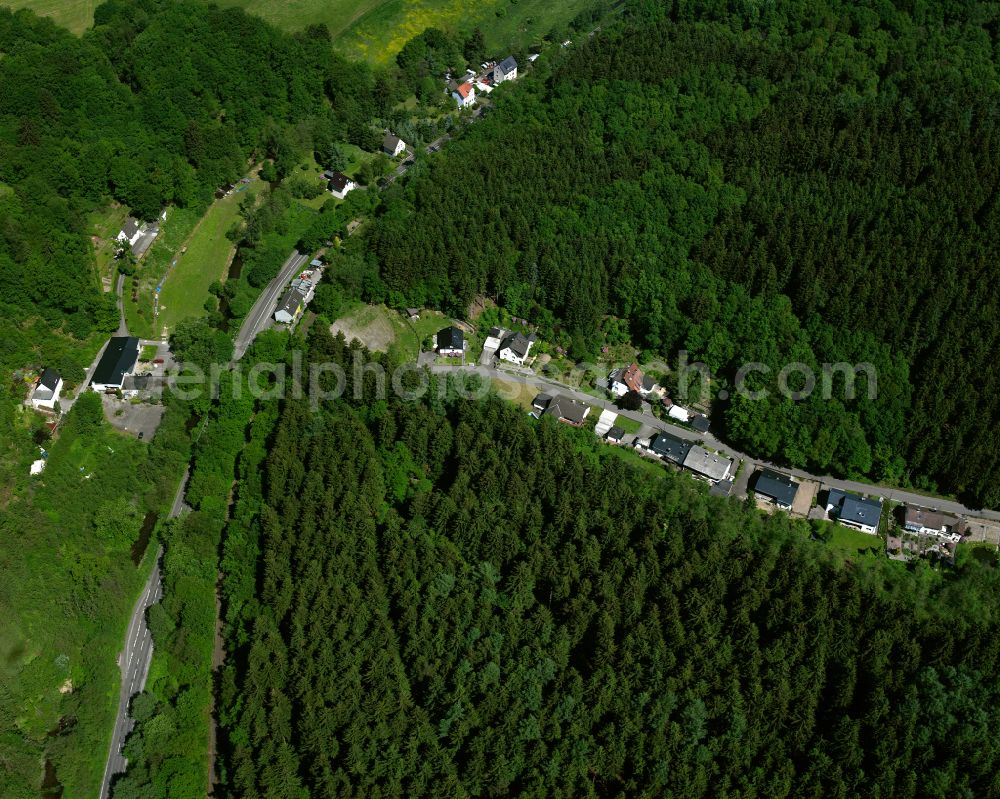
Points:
(46, 393)
(670, 447)
(290, 307)
(860, 513)
(565, 410)
(776, 488)
(711, 466)
(505, 70)
(514, 348)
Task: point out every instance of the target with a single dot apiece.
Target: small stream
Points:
(51, 787)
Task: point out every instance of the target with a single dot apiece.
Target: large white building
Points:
(118, 360)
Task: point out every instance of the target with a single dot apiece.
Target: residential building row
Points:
(298, 294)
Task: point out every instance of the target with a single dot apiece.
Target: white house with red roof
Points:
(464, 94)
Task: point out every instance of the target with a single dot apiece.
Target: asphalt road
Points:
(261, 312)
(135, 658)
(539, 383)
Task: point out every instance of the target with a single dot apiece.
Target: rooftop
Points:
(670, 447)
(118, 359)
(859, 510)
(567, 410)
(778, 487)
(451, 338)
(708, 464)
(931, 519)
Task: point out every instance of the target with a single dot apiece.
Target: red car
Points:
(158, 360)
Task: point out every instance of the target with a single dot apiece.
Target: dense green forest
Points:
(160, 103)
(446, 598)
(810, 182)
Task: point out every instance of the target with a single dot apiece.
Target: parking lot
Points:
(133, 419)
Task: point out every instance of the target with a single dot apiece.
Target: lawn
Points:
(853, 541)
(173, 233)
(206, 260)
(628, 425)
(104, 226)
(77, 15)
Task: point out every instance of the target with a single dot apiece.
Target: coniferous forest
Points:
(446, 598)
(810, 182)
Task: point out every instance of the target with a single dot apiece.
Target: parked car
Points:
(141, 434)
(157, 360)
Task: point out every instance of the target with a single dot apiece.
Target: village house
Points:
(514, 348)
(709, 465)
(566, 410)
(392, 145)
(117, 361)
(623, 380)
(615, 435)
(776, 488)
(46, 393)
(340, 185)
(631, 378)
(927, 522)
(131, 231)
(464, 94)
(450, 342)
(854, 511)
(290, 307)
(505, 70)
(670, 447)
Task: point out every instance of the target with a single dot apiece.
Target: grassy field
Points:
(373, 29)
(377, 29)
(77, 15)
(185, 287)
(384, 330)
(206, 260)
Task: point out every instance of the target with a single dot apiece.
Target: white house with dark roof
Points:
(778, 489)
(450, 342)
(131, 231)
(393, 145)
(514, 348)
(46, 393)
(340, 185)
(505, 70)
(290, 307)
(852, 510)
(117, 360)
